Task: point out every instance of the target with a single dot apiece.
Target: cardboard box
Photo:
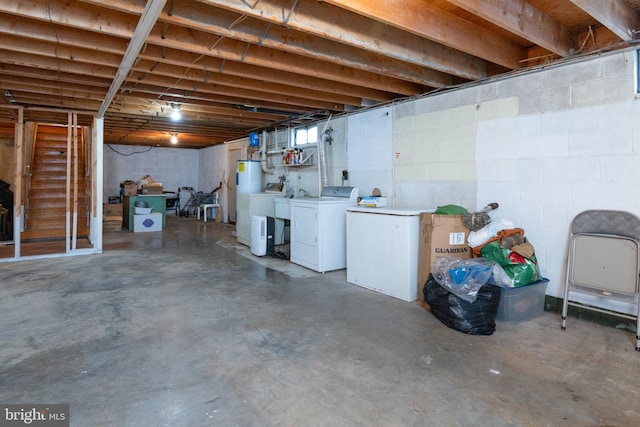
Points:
(112, 209)
(523, 302)
(111, 224)
(130, 189)
(441, 236)
(150, 222)
(155, 188)
(146, 180)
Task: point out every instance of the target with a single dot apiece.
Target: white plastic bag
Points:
(482, 236)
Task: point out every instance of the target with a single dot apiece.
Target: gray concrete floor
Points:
(186, 328)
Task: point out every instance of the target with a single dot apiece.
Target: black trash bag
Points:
(476, 318)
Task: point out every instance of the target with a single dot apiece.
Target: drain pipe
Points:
(263, 154)
(322, 158)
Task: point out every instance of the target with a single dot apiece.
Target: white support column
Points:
(68, 187)
(97, 178)
(18, 208)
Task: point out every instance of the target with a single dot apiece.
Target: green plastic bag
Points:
(521, 270)
(450, 210)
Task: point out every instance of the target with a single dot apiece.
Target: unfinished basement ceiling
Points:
(233, 66)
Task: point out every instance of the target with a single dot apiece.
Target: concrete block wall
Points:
(173, 167)
(569, 148)
(307, 177)
(545, 144)
(337, 150)
(434, 144)
(370, 152)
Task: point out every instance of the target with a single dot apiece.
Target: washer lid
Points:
(342, 192)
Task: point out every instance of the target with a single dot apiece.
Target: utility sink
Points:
(282, 207)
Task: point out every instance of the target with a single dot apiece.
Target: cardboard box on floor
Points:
(112, 223)
(440, 236)
(112, 209)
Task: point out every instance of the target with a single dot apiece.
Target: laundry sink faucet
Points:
(304, 192)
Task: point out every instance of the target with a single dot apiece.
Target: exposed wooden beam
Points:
(70, 44)
(186, 40)
(175, 83)
(279, 38)
(234, 50)
(333, 28)
(145, 25)
(616, 15)
(525, 20)
(429, 21)
(279, 103)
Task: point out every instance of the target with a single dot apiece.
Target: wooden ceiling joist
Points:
(616, 15)
(525, 20)
(428, 21)
(331, 28)
(237, 65)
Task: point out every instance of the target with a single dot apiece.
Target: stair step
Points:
(51, 155)
(50, 234)
(54, 167)
(55, 221)
(54, 211)
(55, 184)
(59, 210)
(48, 202)
(54, 152)
(43, 175)
(49, 167)
(54, 192)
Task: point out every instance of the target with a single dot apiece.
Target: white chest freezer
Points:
(382, 250)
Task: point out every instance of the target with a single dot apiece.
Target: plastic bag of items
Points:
(513, 252)
(474, 318)
(522, 270)
(463, 277)
(488, 232)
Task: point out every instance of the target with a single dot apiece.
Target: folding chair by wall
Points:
(604, 261)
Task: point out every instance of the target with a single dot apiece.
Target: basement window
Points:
(306, 135)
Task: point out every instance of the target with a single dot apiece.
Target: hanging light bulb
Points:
(174, 138)
(175, 112)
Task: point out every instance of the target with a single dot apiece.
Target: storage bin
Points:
(142, 211)
(523, 302)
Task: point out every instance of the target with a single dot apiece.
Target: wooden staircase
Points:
(47, 203)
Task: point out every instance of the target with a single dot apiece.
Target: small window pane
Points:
(312, 134)
(301, 136)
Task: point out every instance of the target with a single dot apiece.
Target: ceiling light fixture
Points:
(175, 112)
(174, 138)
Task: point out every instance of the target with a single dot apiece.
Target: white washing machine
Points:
(261, 204)
(318, 229)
